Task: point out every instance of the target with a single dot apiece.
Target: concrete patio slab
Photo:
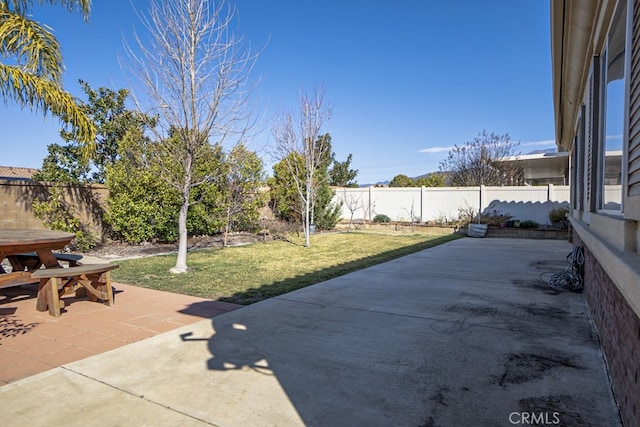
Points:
(32, 342)
(460, 334)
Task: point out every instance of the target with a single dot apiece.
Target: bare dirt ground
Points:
(116, 250)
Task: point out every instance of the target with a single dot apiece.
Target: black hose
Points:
(571, 278)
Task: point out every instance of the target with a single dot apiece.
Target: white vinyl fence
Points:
(441, 204)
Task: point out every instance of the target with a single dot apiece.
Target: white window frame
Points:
(602, 146)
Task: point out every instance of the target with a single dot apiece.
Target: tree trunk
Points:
(226, 231)
(307, 240)
(181, 260)
(312, 206)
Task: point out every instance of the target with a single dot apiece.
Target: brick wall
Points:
(619, 330)
(17, 196)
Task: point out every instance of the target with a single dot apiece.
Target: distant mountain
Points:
(383, 183)
(426, 175)
(545, 151)
(386, 183)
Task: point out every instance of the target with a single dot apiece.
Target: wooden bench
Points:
(33, 262)
(93, 278)
(74, 259)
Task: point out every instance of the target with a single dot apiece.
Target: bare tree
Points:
(298, 145)
(353, 203)
(369, 210)
(242, 182)
(412, 215)
(194, 72)
(489, 159)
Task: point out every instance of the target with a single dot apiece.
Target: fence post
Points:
(550, 195)
(481, 206)
(370, 201)
(423, 200)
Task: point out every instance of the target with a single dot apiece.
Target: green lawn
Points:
(247, 274)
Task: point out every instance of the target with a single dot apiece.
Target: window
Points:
(632, 184)
(614, 65)
(577, 163)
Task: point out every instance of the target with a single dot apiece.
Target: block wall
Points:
(17, 197)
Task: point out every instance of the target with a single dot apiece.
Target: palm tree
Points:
(32, 66)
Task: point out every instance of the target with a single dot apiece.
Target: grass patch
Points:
(247, 274)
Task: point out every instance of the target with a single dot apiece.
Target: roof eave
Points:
(577, 33)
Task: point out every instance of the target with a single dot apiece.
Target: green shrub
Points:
(84, 241)
(558, 217)
(494, 218)
(529, 224)
(286, 202)
(326, 214)
(329, 217)
(466, 215)
(59, 215)
(141, 207)
(381, 218)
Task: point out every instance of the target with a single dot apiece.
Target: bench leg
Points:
(97, 287)
(54, 297)
(43, 299)
(48, 297)
(107, 278)
(102, 282)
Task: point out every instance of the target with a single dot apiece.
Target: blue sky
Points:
(406, 79)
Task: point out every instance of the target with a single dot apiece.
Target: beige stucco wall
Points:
(17, 196)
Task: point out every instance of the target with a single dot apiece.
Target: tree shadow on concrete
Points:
(209, 308)
(11, 326)
(337, 365)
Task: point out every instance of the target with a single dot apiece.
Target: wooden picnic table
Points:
(28, 251)
(14, 244)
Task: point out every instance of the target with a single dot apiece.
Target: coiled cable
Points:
(571, 278)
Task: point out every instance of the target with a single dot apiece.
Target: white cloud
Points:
(544, 143)
(432, 150)
(539, 143)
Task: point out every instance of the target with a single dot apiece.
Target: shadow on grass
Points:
(267, 291)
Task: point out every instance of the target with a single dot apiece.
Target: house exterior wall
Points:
(596, 44)
(618, 327)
